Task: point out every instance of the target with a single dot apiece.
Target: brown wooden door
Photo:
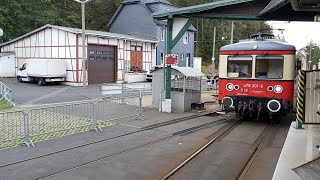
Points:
(136, 58)
(101, 64)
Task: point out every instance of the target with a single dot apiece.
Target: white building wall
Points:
(47, 44)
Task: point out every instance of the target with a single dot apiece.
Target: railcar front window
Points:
(269, 67)
(240, 66)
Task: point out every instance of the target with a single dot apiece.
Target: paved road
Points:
(31, 93)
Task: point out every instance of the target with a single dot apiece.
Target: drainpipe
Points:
(124, 60)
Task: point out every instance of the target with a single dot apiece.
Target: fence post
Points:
(140, 116)
(27, 139)
(140, 103)
(94, 123)
(301, 99)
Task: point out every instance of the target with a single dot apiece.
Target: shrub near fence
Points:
(42, 123)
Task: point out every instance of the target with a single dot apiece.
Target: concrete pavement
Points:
(299, 148)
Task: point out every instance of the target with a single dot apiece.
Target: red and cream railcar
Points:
(257, 76)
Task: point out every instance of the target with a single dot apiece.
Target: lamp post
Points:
(84, 62)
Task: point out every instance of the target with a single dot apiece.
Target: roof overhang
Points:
(218, 10)
(88, 33)
(243, 10)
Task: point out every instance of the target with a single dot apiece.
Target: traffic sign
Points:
(172, 59)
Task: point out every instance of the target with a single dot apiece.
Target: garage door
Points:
(101, 64)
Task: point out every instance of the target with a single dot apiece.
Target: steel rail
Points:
(256, 152)
(171, 173)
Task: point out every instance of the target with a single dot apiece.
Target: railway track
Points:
(154, 126)
(258, 145)
(217, 137)
(262, 139)
(190, 130)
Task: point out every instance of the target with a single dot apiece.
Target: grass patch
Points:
(205, 70)
(4, 104)
(52, 135)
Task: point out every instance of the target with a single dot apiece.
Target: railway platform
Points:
(299, 149)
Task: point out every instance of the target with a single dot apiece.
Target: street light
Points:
(84, 62)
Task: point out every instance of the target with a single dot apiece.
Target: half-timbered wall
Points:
(51, 43)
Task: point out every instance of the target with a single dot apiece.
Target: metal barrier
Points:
(5, 92)
(123, 89)
(41, 123)
(13, 127)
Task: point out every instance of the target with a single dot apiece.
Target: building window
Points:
(127, 65)
(162, 34)
(188, 60)
(161, 58)
(186, 38)
(182, 57)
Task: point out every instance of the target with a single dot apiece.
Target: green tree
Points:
(315, 53)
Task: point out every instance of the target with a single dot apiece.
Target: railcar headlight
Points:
(236, 87)
(270, 88)
(274, 106)
(229, 86)
(278, 89)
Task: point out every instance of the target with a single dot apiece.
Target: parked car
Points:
(43, 71)
(149, 73)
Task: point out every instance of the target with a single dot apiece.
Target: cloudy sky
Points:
(298, 33)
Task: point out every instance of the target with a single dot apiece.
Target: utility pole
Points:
(84, 62)
(213, 48)
(310, 58)
(232, 27)
(83, 34)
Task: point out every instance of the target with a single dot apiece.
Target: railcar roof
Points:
(264, 45)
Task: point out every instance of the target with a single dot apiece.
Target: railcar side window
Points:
(240, 66)
(270, 67)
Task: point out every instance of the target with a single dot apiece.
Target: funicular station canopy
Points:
(284, 10)
(180, 19)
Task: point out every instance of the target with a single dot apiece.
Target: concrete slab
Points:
(299, 148)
